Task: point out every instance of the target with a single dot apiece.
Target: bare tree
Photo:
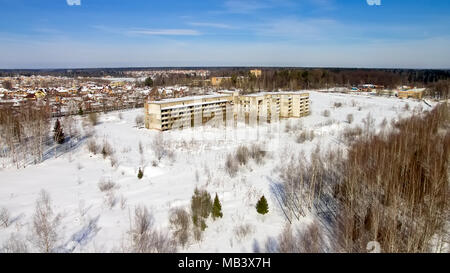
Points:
(44, 230)
(141, 152)
(7, 85)
(231, 165)
(145, 239)
(159, 147)
(4, 217)
(14, 245)
(369, 123)
(180, 222)
(139, 121)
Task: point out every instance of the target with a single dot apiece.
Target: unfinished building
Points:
(226, 106)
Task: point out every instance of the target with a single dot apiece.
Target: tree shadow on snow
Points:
(82, 237)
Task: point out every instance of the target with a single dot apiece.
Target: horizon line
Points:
(218, 66)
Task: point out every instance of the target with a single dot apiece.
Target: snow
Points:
(90, 225)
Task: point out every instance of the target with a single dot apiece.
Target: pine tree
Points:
(262, 207)
(217, 208)
(140, 174)
(58, 134)
(80, 111)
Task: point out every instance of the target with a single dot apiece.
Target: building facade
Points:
(216, 81)
(256, 72)
(225, 107)
(411, 93)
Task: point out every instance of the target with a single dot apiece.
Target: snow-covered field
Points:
(89, 224)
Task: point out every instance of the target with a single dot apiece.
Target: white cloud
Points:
(212, 25)
(178, 32)
(73, 2)
(374, 2)
(295, 28)
(235, 6)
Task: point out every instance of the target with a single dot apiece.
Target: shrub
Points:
(14, 245)
(301, 137)
(262, 207)
(257, 153)
(216, 209)
(140, 233)
(369, 123)
(159, 146)
(350, 118)
(139, 121)
(326, 113)
(350, 134)
(4, 217)
(141, 148)
(106, 185)
(311, 240)
(308, 240)
(242, 154)
(123, 202)
(140, 174)
(337, 104)
(243, 231)
(93, 118)
(107, 149)
(93, 147)
(383, 123)
(287, 127)
(179, 222)
(145, 239)
(304, 136)
(231, 166)
(406, 107)
(114, 161)
(110, 199)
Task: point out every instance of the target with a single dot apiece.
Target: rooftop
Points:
(275, 93)
(189, 98)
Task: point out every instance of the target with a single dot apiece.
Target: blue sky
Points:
(326, 33)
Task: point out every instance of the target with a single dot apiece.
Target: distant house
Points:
(216, 81)
(256, 72)
(416, 93)
(40, 93)
(366, 87)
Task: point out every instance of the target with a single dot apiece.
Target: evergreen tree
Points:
(262, 207)
(140, 174)
(80, 111)
(217, 208)
(58, 134)
(148, 82)
(201, 207)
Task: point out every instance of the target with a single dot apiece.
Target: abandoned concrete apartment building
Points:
(226, 106)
